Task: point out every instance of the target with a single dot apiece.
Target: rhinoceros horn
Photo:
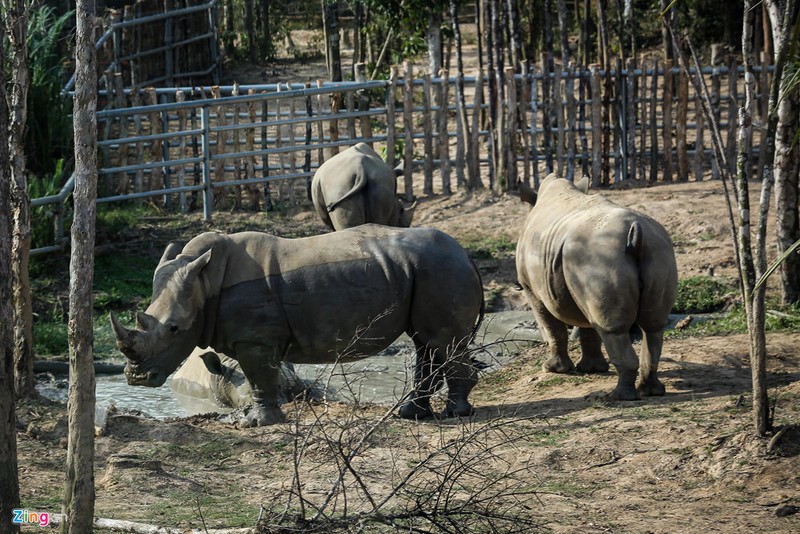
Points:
(124, 335)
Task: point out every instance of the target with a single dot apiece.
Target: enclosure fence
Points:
(257, 147)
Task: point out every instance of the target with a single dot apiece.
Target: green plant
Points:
(488, 248)
(42, 217)
(701, 294)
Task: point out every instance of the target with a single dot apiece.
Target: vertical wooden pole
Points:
(653, 177)
(558, 107)
(732, 114)
(571, 129)
(363, 102)
(547, 124)
(237, 162)
(716, 87)
(522, 113)
(680, 130)
(444, 138)
(136, 101)
(265, 171)
(351, 120)
(512, 128)
(667, 120)
(427, 129)
(391, 137)
(180, 96)
(408, 127)
(699, 155)
(250, 161)
(474, 148)
(631, 116)
(597, 125)
(534, 126)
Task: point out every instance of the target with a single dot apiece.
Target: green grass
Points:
(487, 248)
(702, 294)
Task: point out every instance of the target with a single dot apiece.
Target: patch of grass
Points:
(558, 380)
(122, 281)
(702, 294)
(488, 248)
(50, 338)
(778, 319)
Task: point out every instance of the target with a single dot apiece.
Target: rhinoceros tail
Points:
(635, 244)
(358, 185)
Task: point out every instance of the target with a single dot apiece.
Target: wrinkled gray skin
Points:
(217, 378)
(586, 262)
(263, 300)
(357, 187)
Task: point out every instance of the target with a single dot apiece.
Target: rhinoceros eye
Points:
(173, 329)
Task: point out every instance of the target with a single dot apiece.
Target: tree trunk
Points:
(330, 16)
(250, 30)
(267, 49)
(515, 45)
(79, 492)
(21, 240)
(787, 167)
(433, 36)
(9, 488)
(563, 30)
(229, 34)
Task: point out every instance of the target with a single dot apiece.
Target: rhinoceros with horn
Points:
(345, 295)
(357, 187)
(584, 261)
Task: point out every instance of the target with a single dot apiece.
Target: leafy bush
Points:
(701, 294)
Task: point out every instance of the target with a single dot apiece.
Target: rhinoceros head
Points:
(169, 330)
(405, 214)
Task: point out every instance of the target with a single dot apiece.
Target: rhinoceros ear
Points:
(526, 193)
(195, 266)
(212, 362)
(171, 252)
(583, 185)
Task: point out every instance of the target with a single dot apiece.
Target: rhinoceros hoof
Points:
(652, 388)
(262, 416)
(623, 394)
(593, 366)
(557, 365)
(416, 409)
(460, 410)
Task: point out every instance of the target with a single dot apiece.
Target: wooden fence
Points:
(635, 123)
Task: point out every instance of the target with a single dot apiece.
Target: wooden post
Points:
(320, 125)
(698, 138)
(631, 115)
(351, 120)
(716, 87)
(408, 130)
(653, 124)
(597, 125)
(363, 103)
(522, 113)
(510, 145)
(309, 132)
(617, 118)
(641, 151)
(250, 161)
(180, 96)
(763, 111)
(473, 148)
(265, 170)
(427, 128)
(292, 157)
(282, 165)
(221, 137)
(667, 119)
(136, 101)
(391, 137)
(547, 124)
(534, 128)
(680, 130)
(558, 107)
(333, 125)
(444, 138)
(583, 86)
(733, 98)
(237, 162)
(569, 86)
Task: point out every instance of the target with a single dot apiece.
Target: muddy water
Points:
(380, 379)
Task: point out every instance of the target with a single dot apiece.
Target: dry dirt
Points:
(541, 450)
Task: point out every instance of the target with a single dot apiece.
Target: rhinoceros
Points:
(357, 187)
(263, 300)
(586, 262)
(208, 376)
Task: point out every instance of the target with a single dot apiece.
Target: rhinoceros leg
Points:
(427, 379)
(555, 334)
(649, 384)
(264, 374)
(592, 360)
(621, 353)
(461, 377)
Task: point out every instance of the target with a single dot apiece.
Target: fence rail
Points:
(252, 147)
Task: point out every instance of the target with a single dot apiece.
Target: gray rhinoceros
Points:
(357, 187)
(208, 376)
(584, 261)
(340, 296)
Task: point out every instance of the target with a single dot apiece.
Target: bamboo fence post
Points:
(569, 86)
(408, 132)
(653, 123)
(237, 162)
(391, 136)
(107, 127)
(282, 165)
(522, 112)
(680, 130)
(667, 120)
(733, 98)
(534, 131)
(138, 183)
(363, 103)
(122, 153)
(333, 125)
(197, 168)
(221, 137)
(444, 140)
(558, 107)
(631, 113)
(320, 125)
(250, 163)
(582, 87)
(473, 147)
(698, 138)
(180, 96)
(597, 125)
(510, 145)
(716, 87)
(547, 124)
(427, 128)
(609, 117)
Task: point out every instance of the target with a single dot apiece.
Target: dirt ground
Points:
(542, 451)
